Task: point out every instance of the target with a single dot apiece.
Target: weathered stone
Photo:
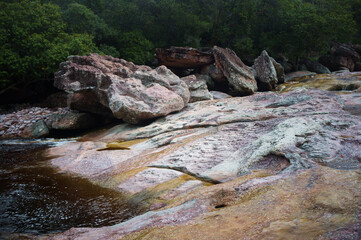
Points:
(216, 74)
(37, 130)
(219, 95)
(316, 67)
(340, 55)
(132, 93)
(239, 75)
(87, 101)
(198, 89)
(73, 121)
(183, 57)
(279, 70)
(266, 74)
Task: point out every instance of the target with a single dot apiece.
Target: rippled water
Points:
(36, 199)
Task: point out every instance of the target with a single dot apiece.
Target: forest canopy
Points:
(37, 35)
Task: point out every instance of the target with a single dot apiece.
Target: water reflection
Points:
(36, 199)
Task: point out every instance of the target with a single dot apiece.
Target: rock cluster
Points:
(225, 69)
(131, 93)
(342, 56)
(16, 123)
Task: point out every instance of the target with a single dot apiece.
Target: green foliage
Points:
(33, 42)
(36, 35)
(134, 47)
(81, 19)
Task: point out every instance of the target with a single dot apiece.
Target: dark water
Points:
(35, 199)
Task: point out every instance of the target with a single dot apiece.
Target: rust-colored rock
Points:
(183, 57)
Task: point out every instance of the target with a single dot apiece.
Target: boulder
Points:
(279, 70)
(316, 67)
(341, 55)
(132, 93)
(266, 74)
(197, 88)
(183, 57)
(37, 130)
(216, 74)
(73, 121)
(238, 75)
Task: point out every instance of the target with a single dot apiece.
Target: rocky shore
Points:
(19, 120)
(280, 164)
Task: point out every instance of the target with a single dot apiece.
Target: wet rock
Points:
(183, 57)
(197, 88)
(338, 82)
(133, 93)
(37, 130)
(299, 74)
(20, 121)
(239, 76)
(266, 74)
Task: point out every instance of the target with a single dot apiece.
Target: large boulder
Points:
(341, 55)
(266, 74)
(183, 57)
(132, 93)
(198, 88)
(239, 76)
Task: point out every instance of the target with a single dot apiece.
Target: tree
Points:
(81, 19)
(33, 43)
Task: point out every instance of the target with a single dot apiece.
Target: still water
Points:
(36, 199)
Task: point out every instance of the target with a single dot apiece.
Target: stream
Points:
(36, 199)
